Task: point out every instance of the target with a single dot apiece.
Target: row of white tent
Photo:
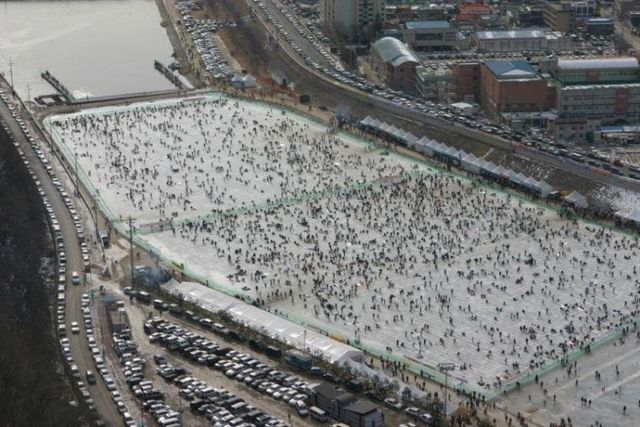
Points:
(467, 161)
(629, 216)
(261, 320)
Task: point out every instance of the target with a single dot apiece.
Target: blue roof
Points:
(516, 69)
(427, 25)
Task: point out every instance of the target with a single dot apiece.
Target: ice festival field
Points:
(338, 233)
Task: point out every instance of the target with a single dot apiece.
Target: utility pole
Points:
(131, 249)
(446, 367)
(75, 157)
(13, 89)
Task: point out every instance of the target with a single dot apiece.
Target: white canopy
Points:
(265, 322)
(632, 215)
(545, 189)
(577, 199)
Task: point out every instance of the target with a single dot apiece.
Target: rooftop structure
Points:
(598, 64)
(393, 51)
(427, 25)
(516, 69)
(510, 34)
(395, 64)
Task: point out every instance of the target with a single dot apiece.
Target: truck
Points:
(298, 359)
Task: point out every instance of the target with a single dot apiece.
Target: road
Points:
(78, 342)
(381, 108)
(298, 39)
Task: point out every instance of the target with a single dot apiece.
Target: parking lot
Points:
(201, 32)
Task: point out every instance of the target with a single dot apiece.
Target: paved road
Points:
(298, 39)
(79, 345)
(380, 105)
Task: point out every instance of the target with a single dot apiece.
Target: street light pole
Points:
(131, 249)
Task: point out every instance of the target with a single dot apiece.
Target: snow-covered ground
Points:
(618, 198)
(331, 231)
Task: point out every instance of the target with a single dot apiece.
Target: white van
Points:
(318, 414)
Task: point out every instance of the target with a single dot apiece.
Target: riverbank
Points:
(31, 369)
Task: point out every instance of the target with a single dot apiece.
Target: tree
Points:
(406, 396)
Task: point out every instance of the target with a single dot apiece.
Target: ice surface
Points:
(332, 231)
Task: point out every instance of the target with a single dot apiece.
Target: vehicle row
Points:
(241, 367)
(150, 397)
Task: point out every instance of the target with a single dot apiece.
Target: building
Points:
(345, 407)
(600, 26)
(395, 64)
(370, 15)
(400, 14)
(331, 399)
(436, 83)
(353, 19)
(338, 17)
(594, 92)
(623, 6)
(511, 86)
(467, 76)
(476, 15)
(595, 71)
(362, 414)
(584, 9)
(430, 35)
(519, 40)
(632, 18)
(531, 17)
(560, 17)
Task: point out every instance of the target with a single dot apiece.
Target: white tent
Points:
(249, 81)
(577, 200)
(366, 122)
(487, 166)
(519, 179)
(421, 143)
(274, 326)
(431, 146)
(545, 189)
(469, 163)
(629, 216)
(531, 184)
(375, 124)
(410, 138)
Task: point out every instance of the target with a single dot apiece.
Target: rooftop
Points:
(362, 407)
(427, 25)
(516, 69)
(625, 63)
(511, 34)
(393, 50)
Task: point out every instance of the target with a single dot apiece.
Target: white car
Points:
(75, 328)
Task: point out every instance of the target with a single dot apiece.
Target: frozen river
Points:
(332, 231)
(95, 47)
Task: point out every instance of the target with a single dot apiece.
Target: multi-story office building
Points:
(430, 35)
(594, 92)
(351, 18)
(560, 17)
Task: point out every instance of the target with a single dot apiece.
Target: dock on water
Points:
(58, 86)
(170, 75)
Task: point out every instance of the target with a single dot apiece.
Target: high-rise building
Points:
(352, 18)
